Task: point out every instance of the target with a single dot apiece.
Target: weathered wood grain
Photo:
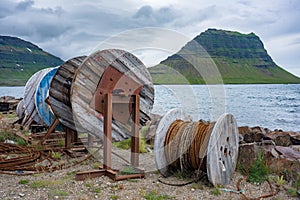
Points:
(222, 150)
(59, 93)
(160, 137)
(86, 81)
(31, 113)
(41, 95)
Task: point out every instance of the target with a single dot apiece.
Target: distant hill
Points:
(235, 57)
(19, 59)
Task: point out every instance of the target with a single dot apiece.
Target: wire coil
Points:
(186, 145)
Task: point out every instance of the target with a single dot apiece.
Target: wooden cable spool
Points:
(41, 97)
(20, 110)
(31, 113)
(115, 71)
(59, 93)
(191, 146)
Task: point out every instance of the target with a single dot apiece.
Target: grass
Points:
(114, 197)
(96, 165)
(55, 155)
(97, 190)
(58, 193)
(292, 192)
(126, 144)
(152, 195)
(129, 170)
(23, 181)
(46, 183)
(4, 135)
(280, 181)
(257, 172)
(215, 191)
(21, 141)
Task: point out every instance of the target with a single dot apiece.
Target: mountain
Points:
(20, 59)
(219, 56)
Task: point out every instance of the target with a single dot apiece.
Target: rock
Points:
(288, 153)
(21, 194)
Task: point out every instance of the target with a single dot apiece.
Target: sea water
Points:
(274, 106)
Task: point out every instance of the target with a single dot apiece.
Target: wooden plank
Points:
(135, 138)
(160, 137)
(42, 92)
(222, 150)
(95, 65)
(107, 140)
(29, 98)
(59, 93)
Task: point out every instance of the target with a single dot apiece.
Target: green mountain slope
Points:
(218, 56)
(20, 59)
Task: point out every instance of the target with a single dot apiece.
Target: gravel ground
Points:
(62, 185)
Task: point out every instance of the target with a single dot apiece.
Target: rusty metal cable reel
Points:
(211, 147)
(115, 71)
(31, 113)
(59, 93)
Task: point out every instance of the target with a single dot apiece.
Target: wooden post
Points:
(107, 139)
(68, 138)
(90, 140)
(135, 140)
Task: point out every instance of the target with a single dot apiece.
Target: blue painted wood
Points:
(42, 93)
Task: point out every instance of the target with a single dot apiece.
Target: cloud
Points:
(148, 16)
(24, 5)
(67, 29)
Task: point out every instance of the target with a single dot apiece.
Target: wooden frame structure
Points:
(117, 97)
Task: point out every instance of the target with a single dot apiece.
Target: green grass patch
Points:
(215, 191)
(130, 170)
(23, 181)
(21, 141)
(257, 172)
(97, 190)
(56, 155)
(58, 193)
(46, 183)
(114, 197)
(153, 195)
(126, 144)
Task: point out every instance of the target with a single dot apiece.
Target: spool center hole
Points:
(225, 151)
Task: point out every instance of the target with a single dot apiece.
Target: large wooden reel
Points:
(31, 113)
(222, 150)
(41, 97)
(59, 93)
(115, 71)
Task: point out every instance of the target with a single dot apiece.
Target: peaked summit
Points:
(219, 56)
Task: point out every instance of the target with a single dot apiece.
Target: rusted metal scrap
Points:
(18, 160)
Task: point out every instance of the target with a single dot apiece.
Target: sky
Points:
(151, 29)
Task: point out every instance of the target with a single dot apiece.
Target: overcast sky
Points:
(152, 28)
